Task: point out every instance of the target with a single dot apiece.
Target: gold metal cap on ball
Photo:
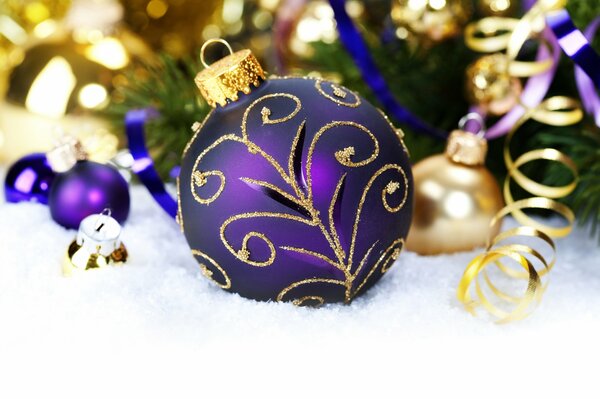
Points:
(223, 80)
(466, 148)
(456, 198)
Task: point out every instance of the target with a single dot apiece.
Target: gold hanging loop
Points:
(208, 43)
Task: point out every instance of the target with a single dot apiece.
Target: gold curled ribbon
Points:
(496, 34)
(476, 287)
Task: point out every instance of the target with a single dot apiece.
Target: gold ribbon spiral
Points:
(504, 250)
(519, 264)
(496, 34)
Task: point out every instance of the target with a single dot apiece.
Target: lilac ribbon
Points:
(143, 165)
(589, 96)
(535, 89)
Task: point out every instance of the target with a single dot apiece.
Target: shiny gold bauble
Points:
(456, 198)
(176, 26)
(496, 8)
(21, 19)
(302, 23)
(315, 23)
(436, 20)
(489, 85)
(64, 81)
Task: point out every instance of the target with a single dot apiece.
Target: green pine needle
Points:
(168, 86)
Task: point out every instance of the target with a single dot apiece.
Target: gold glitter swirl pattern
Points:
(345, 155)
(243, 254)
(388, 208)
(338, 94)
(226, 284)
(399, 132)
(266, 112)
(297, 194)
(196, 129)
(200, 178)
(386, 260)
(514, 262)
(318, 301)
(284, 292)
(179, 217)
(389, 190)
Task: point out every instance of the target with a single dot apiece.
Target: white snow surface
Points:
(157, 328)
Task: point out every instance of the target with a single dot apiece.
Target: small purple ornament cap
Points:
(29, 179)
(86, 189)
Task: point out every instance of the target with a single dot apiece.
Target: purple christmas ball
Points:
(29, 179)
(85, 189)
(299, 191)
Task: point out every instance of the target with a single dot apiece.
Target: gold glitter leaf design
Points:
(344, 156)
(296, 194)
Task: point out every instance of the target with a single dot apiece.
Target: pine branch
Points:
(168, 86)
(583, 146)
(583, 11)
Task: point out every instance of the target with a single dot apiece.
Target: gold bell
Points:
(97, 244)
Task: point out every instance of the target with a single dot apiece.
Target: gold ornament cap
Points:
(97, 245)
(223, 80)
(467, 148)
(65, 154)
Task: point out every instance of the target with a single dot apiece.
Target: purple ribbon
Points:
(534, 92)
(589, 96)
(143, 165)
(356, 46)
(575, 44)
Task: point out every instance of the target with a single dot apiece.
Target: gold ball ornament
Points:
(489, 85)
(315, 23)
(436, 20)
(19, 21)
(456, 198)
(63, 81)
(21, 18)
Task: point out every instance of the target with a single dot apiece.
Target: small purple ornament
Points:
(29, 179)
(299, 191)
(86, 189)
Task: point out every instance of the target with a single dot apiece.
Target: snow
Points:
(157, 328)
